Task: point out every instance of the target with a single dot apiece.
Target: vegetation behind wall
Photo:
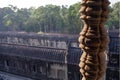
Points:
(49, 18)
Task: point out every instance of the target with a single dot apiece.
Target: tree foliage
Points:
(114, 17)
(49, 18)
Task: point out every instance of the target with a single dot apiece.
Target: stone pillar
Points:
(93, 39)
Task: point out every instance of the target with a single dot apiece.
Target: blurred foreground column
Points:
(93, 39)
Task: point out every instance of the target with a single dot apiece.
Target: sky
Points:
(37, 3)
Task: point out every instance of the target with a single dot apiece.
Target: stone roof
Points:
(41, 53)
(50, 36)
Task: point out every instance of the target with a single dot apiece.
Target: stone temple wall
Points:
(31, 67)
(43, 40)
(42, 57)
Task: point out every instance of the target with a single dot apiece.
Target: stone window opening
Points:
(43, 70)
(7, 63)
(34, 68)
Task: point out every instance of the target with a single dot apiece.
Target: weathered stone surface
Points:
(93, 38)
(43, 40)
(39, 57)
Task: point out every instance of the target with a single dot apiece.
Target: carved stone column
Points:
(93, 39)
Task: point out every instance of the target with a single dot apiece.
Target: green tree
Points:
(114, 17)
(74, 20)
(3, 13)
(16, 20)
(49, 18)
